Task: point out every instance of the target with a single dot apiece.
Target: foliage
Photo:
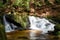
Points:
(2, 33)
(20, 18)
(57, 24)
(2, 29)
(38, 3)
(22, 3)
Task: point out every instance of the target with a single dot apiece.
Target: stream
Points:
(33, 34)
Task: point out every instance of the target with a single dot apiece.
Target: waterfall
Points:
(41, 24)
(9, 27)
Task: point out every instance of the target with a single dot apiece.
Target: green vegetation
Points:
(2, 32)
(38, 3)
(56, 20)
(23, 7)
(22, 3)
(2, 29)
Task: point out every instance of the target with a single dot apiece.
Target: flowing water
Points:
(9, 27)
(26, 34)
(42, 24)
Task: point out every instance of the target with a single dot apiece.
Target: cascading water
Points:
(40, 24)
(9, 27)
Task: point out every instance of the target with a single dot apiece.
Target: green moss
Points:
(20, 18)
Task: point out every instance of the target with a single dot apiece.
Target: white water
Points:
(36, 23)
(41, 24)
(7, 25)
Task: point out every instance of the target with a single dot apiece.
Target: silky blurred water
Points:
(25, 35)
(28, 34)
